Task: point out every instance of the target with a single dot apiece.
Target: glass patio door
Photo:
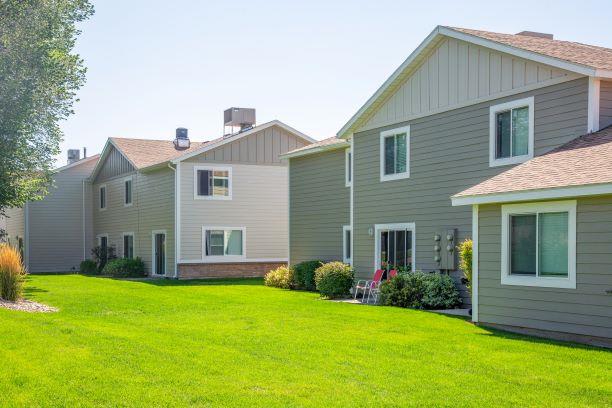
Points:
(159, 253)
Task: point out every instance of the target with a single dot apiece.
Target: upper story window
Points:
(224, 241)
(395, 154)
(127, 191)
(348, 165)
(511, 132)
(539, 244)
(103, 197)
(213, 183)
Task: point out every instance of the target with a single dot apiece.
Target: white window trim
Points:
(100, 187)
(212, 168)
(568, 206)
(383, 135)
(493, 110)
(348, 167)
(153, 269)
(410, 226)
(130, 178)
(223, 258)
(345, 259)
(123, 234)
(98, 243)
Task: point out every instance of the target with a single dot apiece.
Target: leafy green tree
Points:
(39, 77)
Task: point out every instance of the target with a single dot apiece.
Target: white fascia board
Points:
(314, 150)
(533, 195)
(233, 138)
(105, 150)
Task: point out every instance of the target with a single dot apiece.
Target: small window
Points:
(128, 245)
(348, 165)
(213, 183)
(511, 138)
(222, 242)
(127, 192)
(346, 244)
(103, 197)
(538, 244)
(395, 154)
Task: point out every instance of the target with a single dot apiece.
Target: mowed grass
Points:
(238, 343)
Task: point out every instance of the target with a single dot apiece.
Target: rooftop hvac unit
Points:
(74, 155)
(243, 117)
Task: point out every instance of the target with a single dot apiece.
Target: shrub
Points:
(420, 290)
(12, 273)
(334, 279)
(304, 275)
(88, 267)
(465, 262)
(125, 268)
(102, 255)
(281, 277)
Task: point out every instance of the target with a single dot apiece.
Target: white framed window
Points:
(395, 154)
(395, 245)
(348, 167)
(223, 243)
(128, 245)
(539, 244)
(511, 137)
(347, 238)
(158, 252)
(127, 191)
(102, 241)
(212, 183)
(103, 198)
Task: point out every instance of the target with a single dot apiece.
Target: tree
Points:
(39, 77)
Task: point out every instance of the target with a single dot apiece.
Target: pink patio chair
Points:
(374, 290)
(364, 285)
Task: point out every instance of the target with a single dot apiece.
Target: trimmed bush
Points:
(304, 275)
(420, 290)
(281, 277)
(465, 262)
(88, 267)
(334, 279)
(12, 273)
(125, 268)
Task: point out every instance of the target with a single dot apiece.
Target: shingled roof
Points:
(585, 161)
(146, 153)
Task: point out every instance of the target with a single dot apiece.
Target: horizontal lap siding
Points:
(449, 152)
(319, 206)
(584, 310)
(605, 104)
(14, 224)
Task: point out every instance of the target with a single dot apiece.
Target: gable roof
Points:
(570, 56)
(330, 143)
(77, 163)
(143, 153)
(582, 166)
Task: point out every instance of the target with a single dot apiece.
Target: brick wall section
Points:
(227, 270)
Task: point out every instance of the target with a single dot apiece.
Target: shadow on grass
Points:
(190, 282)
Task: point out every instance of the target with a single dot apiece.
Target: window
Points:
(213, 183)
(223, 242)
(127, 192)
(395, 245)
(539, 244)
(103, 197)
(395, 154)
(159, 252)
(346, 244)
(348, 165)
(511, 132)
(128, 245)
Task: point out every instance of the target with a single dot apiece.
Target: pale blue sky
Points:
(157, 65)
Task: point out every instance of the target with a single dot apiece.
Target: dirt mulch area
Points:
(27, 306)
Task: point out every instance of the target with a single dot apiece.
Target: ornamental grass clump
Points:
(12, 273)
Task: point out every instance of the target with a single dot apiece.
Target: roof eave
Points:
(314, 150)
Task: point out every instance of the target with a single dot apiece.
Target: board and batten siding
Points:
(263, 147)
(319, 206)
(457, 72)
(115, 164)
(449, 152)
(605, 104)
(586, 310)
(56, 234)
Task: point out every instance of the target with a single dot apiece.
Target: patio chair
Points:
(374, 289)
(364, 285)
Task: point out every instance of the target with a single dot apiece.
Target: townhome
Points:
(464, 107)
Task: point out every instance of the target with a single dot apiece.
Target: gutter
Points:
(177, 231)
(315, 150)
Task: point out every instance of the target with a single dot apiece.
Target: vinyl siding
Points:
(605, 104)
(14, 224)
(585, 310)
(448, 153)
(56, 223)
(114, 164)
(456, 72)
(319, 206)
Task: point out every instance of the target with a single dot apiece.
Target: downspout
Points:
(83, 219)
(177, 246)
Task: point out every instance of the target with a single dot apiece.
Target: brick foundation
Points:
(227, 270)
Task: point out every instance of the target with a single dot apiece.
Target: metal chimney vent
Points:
(243, 117)
(74, 155)
(182, 139)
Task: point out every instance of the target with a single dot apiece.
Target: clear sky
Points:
(157, 65)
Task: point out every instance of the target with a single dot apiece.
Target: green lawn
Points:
(238, 343)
